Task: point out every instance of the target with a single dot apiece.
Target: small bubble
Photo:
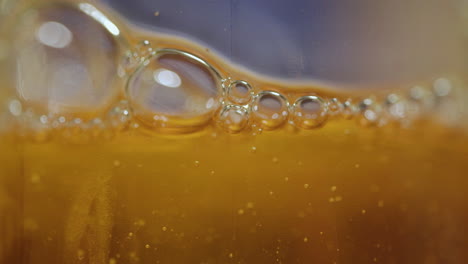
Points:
(357, 165)
(112, 261)
(349, 109)
(231, 255)
(331, 199)
(15, 107)
(130, 234)
(147, 246)
(196, 163)
(233, 118)
(380, 203)
(370, 112)
(44, 119)
(212, 172)
(338, 198)
(442, 87)
(417, 93)
(253, 150)
(129, 62)
(321, 233)
(306, 186)
(240, 92)
(275, 160)
(335, 107)
(310, 112)
(270, 109)
(396, 107)
(306, 239)
(333, 188)
(119, 116)
(144, 48)
(240, 211)
(286, 179)
(116, 163)
(363, 211)
(250, 205)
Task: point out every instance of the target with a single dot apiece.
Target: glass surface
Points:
(233, 131)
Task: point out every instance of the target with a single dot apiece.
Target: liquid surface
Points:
(194, 160)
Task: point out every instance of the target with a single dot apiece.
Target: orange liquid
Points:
(341, 194)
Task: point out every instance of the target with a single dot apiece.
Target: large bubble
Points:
(174, 90)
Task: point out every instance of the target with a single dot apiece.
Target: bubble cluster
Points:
(173, 90)
(40, 127)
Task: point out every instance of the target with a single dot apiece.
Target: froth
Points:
(172, 90)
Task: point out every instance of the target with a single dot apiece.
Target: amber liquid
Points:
(342, 193)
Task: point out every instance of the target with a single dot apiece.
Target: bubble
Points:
(396, 107)
(144, 49)
(335, 107)
(15, 107)
(309, 112)
(233, 118)
(174, 90)
(417, 93)
(36, 127)
(253, 149)
(442, 87)
(240, 92)
(62, 65)
(129, 63)
(370, 112)
(349, 109)
(270, 109)
(424, 97)
(119, 116)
